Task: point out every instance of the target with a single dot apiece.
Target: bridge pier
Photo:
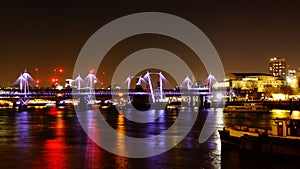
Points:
(85, 103)
(89, 106)
(203, 102)
(89, 101)
(22, 103)
(23, 81)
(200, 102)
(82, 103)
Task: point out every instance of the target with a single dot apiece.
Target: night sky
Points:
(50, 35)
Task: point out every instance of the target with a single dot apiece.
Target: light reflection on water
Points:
(91, 150)
(53, 138)
(54, 149)
(120, 161)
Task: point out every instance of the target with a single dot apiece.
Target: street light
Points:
(102, 82)
(37, 76)
(57, 75)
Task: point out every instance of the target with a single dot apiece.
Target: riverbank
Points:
(285, 105)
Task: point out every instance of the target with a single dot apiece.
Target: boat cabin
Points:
(286, 127)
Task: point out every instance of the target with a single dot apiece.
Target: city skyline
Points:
(49, 36)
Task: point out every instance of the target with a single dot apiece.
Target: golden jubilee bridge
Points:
(83, 92)
(14, 97)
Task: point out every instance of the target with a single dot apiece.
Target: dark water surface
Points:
(54, 138)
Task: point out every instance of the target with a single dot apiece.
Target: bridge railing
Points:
(69, 93)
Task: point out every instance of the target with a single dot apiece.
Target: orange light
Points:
(37, 81)
(59, 95)
(92, 70)
(60, 70)
(36, 69)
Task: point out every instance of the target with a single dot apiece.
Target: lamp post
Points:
(102, 82)
(57, 75)
(37, 81)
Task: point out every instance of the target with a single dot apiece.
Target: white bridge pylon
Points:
(78, 82)
(86, 85)
(187, 82)
(209, 80)
(148, 80)
(23, 81)
(90, 79)
(129, 79)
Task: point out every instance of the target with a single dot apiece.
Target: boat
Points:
(282, 139)
(247, 107)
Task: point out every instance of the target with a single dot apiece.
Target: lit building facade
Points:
(291, 78)
(298, 76)
(277, 67)
(251, 81)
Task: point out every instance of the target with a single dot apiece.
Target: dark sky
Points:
(51, 34)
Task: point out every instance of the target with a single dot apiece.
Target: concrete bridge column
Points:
(201, 100)
(82, 105)
(23, 103)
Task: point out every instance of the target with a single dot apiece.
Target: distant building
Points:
(253, 81)
(277, 67)
(291, 73)
(291, 78)
(298, 76)
(69, 83)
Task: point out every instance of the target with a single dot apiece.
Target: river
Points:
(54, 138)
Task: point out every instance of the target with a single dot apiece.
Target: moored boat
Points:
(247, 107)
(283, 139)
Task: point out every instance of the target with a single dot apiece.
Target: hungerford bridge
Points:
(84, 90)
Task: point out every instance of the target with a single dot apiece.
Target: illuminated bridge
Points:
(84, 91)
(100, 92)
(14, 95)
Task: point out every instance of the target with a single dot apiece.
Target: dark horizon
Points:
(50, 35)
